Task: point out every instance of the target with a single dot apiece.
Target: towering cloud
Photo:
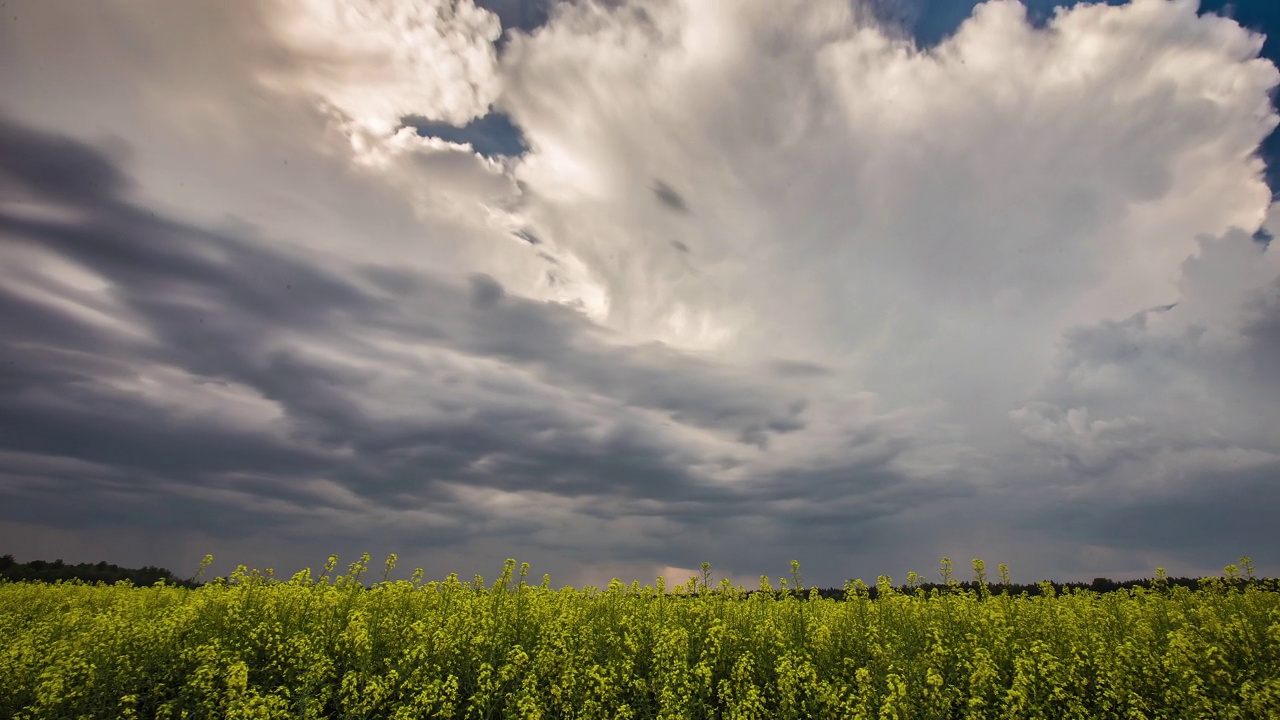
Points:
(757, 290)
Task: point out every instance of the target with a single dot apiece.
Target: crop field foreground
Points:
(249, 646)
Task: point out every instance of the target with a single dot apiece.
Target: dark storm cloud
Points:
(55, 167)
(668, 196)
(485, 291)
(528, 237)
(1210, 517)
(797, 368)
(211, 314)
(225, 313)
(1120, 343)
(1176, 451)
(1262, 330)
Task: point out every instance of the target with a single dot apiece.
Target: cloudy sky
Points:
(619, 286)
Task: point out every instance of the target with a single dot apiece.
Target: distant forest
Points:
(1098, 585)
(50, 572)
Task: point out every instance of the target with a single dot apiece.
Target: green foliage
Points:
(251, 646)
(42, 571)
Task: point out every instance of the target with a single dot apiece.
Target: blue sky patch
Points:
(492, 135)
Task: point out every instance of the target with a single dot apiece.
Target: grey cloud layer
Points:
(392, 389)
(756, 291)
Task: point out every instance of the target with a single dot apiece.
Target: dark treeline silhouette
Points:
(41, 571)
(1099, 585)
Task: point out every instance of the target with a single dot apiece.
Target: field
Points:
(249, 646)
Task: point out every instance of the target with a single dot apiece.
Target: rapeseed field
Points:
(249, 646)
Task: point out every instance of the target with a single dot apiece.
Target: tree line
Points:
(1098, 585)
(51, 572)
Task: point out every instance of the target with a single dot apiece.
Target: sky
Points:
(619, 287)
